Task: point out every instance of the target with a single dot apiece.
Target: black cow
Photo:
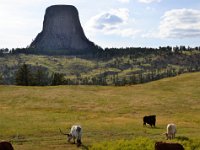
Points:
(151, 120)
(168, 146)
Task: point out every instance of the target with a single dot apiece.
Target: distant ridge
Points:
(62, 31)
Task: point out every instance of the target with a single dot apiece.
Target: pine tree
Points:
(23, 76)
(40, 77)
(57, 79)
(1, 78)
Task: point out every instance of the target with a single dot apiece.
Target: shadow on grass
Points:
(149, 127)
(85, 147)
(182, 138)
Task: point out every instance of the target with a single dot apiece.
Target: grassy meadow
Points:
(111, 117)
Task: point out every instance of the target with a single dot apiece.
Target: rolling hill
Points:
(31, 116)
(114, 67)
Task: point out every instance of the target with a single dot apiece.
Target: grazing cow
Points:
(171, 131)
(151, 120)
(168, 146)
(75, 134)
(6, 146)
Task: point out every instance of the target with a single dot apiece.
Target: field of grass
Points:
(30, 117)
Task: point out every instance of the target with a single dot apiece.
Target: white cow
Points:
(75, 134)
(171, 131)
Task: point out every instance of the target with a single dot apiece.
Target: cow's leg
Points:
(74, 140)
(173, 136)
(68, 139)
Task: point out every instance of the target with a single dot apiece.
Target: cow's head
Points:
(69, 136)
(166, 134)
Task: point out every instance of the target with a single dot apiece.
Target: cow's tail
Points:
(63, 132)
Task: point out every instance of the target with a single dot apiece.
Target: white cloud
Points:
(148, 1)
(180, 23)
(177, 24)
(113, 22)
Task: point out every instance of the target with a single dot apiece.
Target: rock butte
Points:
(62, 31)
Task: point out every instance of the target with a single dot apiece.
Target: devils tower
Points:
(62, 31)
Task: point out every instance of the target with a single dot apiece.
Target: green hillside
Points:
(30, 117)
(114, 67)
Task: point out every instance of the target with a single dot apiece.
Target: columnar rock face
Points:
(61, 31)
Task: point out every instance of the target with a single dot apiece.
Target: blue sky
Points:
(108, 23)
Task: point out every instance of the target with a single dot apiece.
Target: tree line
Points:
(99, 52)
(27, 75)
(163, 62)
(31, 76)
